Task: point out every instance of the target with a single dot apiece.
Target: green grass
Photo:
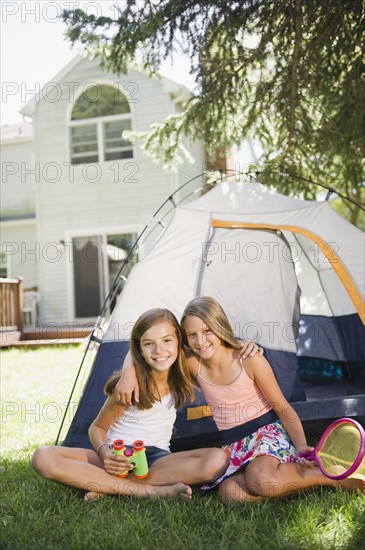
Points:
(38, 514)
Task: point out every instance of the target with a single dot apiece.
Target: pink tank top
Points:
(236, 403)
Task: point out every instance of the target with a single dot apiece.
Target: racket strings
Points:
(340, 450)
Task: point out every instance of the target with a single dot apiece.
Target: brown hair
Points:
(213, 315)
(179, 380)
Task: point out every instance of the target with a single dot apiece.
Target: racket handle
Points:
(310, 455)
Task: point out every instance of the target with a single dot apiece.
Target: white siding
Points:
(19, 241)
(17, 181)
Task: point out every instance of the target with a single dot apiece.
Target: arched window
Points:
(99, 117)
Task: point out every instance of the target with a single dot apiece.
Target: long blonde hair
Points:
(179, 380)
(213, 315)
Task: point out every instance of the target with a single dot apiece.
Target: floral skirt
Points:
(270, 440)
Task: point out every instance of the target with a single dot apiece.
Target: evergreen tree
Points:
(288, 73)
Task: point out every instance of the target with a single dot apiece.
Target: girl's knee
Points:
(221, 458)
(262, 481)
(229, 491)
(42, 461)
(215, 464)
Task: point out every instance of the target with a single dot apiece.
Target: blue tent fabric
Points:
(340, 338)
(352, 334)
(284, 365)
(109, 358)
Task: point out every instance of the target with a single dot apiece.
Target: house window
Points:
(84, 144)
(99, 117)
(115, 147)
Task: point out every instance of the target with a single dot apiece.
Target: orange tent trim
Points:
(331, 256)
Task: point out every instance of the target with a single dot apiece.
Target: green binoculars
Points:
(137, 455)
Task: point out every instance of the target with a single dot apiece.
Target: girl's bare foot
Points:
(179, 489)
(92, 496)
(158, 491)
(352, 484)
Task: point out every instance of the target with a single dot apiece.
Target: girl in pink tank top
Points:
(263, 463)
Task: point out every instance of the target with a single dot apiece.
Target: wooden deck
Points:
(15, 332)
(45, 336)
(43, 343)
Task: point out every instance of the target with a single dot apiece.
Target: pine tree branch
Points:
(293, 73)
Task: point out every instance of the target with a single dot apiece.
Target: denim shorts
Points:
(154, 453)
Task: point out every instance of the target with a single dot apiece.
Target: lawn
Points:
(38, 514)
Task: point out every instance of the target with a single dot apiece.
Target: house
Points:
(75, 194)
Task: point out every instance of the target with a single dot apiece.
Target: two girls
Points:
(262, 463)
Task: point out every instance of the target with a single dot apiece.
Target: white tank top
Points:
(153, 426)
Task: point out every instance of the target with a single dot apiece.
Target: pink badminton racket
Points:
(340, 451)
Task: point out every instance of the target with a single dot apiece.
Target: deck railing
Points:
(11, 304)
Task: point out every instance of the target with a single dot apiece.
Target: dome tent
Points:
(289, 274)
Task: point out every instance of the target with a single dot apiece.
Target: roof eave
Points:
(30, 108)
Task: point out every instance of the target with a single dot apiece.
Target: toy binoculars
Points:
(137, 455)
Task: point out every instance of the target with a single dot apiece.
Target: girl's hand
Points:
(116, 464)
(126, 387)
(249, 349)
(302, 460)
(127, 384)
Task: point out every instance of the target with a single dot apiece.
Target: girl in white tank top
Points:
(165, 383)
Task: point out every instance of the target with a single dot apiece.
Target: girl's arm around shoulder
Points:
(127, 386)
(259, 370)
(249, 349)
